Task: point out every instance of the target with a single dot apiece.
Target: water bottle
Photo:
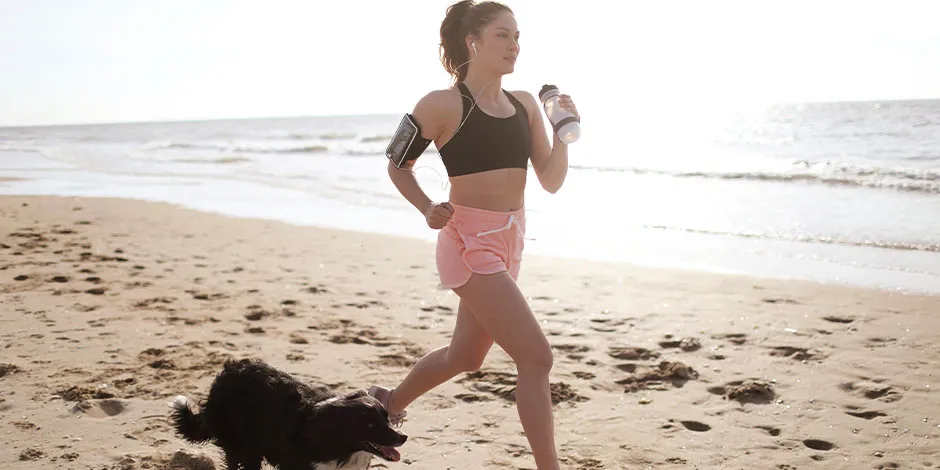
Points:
(564, 123)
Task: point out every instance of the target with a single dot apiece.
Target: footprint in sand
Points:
(606, 325)
(746, 391)
(440, 309)
(79, 393)
(393, 360)
(100, 408)
(817, 444)
(297, 337)
(631, 353)
(471, 397)
(181, 460)
(695, 426)
(879, 342)
(628, 367)
(733, 338)
(573, 351)
(150, 303)
(256, 313)
(330, 324)
(8, 369)
(656, 378)
(864, 414)
(68, 457)
(588, 464)
(773, 431)
(206, 296)
(685, 344)
(887, 466)
(364, 336)
(503, 385)
(25, 425)
(835, 319)
(872, 391)
(31, 454)
(362, 305)
(320, 289)
(517, 450)
(797, 353)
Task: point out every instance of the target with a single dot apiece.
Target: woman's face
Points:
(498, 45)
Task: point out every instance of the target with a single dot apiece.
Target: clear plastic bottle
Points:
(564, 123)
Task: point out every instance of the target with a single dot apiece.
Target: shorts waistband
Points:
(486, 214)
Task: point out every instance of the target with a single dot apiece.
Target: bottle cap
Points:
(546, 89)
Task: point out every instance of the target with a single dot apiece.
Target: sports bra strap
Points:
(515, 101)
(466, 95)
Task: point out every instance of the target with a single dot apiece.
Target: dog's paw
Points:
(179, 403)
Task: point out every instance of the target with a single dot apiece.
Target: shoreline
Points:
(829, 264)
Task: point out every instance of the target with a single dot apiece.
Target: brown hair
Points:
(463, 18)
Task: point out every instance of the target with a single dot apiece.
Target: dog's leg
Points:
(251, 463)
(242, 463)
(232, 463)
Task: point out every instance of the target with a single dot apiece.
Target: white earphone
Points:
(473, 44)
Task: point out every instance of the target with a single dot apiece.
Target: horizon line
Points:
(346, 115)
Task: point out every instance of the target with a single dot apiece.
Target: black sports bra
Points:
(485, 142)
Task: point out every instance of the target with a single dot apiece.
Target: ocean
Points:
(845, 193)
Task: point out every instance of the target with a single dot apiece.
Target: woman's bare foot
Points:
(383, 395)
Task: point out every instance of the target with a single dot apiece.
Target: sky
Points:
(84, 61)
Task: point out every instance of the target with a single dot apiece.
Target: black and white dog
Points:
(255, 412)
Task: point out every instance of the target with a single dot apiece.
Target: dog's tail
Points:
(188, 424)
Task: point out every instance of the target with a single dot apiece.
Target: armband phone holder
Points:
(407, 143)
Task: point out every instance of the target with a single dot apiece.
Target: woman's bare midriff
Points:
(495, 190)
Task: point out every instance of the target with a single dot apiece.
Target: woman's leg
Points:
(468, 348)
(501, 309)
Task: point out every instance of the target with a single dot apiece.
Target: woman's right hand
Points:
(437, 214)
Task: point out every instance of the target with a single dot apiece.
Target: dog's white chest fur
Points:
(358, 461)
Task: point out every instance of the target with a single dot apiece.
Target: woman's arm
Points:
(550, 163)
(429, 113)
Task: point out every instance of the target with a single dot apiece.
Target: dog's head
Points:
(357, 422)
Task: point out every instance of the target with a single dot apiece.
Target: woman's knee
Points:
(538, 361)
(466, 361)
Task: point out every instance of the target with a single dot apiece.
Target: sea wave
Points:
(893, 245)
(241, 148)
(10, 148)
(221, 161)
(900, 179)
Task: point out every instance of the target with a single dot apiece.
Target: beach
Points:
(112, 306)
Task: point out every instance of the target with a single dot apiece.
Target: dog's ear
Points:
(355, 394)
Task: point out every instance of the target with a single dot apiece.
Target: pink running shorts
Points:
(479, 241)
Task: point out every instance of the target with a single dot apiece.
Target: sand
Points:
(112, 307)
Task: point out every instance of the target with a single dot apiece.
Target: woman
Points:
(486, 137)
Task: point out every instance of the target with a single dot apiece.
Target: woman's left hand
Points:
(565, 102)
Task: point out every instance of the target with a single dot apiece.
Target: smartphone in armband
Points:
(407, 143)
